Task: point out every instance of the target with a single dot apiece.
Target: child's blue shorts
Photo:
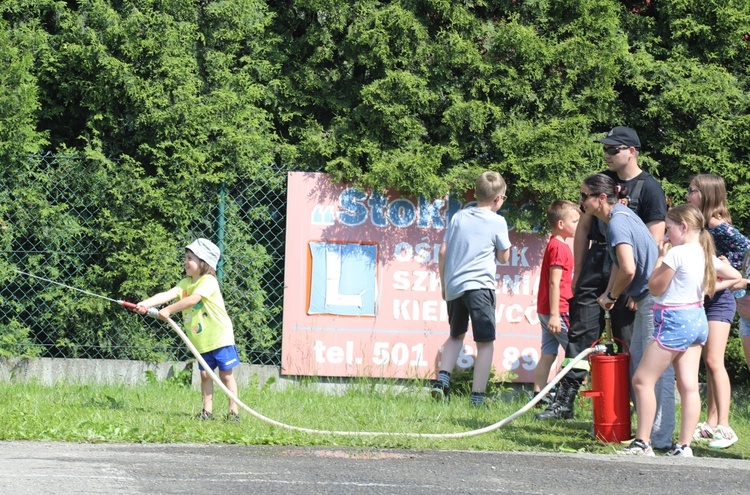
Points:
(677, 328)
(225, 358)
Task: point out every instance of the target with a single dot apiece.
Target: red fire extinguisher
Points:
(610, 390)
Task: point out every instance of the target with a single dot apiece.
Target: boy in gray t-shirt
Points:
(474, 240)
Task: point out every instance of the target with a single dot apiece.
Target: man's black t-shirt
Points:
(650, 205)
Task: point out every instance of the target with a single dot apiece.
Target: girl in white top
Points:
(681, 277)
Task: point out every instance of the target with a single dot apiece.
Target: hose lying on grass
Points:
(154, 312)
(486, 429)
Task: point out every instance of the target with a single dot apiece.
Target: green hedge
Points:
(416, 95)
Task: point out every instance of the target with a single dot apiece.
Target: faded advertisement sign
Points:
(362, 291)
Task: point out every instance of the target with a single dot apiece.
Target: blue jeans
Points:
(643, 331)
(744, 327)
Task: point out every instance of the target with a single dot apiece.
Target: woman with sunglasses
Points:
(709, 194)
(633, 250)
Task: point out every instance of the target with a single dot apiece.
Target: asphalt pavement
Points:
(70, 468)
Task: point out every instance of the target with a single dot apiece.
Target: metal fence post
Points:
(220, 229)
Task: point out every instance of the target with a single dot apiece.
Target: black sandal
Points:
(204, 415)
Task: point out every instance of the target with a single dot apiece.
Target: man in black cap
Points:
(593, 265)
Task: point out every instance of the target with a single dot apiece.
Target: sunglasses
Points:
(612, 150)
(585, 196)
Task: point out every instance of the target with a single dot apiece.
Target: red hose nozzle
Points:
(131, 306)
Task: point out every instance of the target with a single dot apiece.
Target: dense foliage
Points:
(170, 97)
(418, 95)
(411, 94)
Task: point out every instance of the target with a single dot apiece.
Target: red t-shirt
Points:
(557, 253)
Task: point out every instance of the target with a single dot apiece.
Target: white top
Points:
(686, 287)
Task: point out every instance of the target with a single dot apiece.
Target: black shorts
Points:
(721, 307)
(479, 305)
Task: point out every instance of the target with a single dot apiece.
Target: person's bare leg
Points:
(227, 377)
(721, 388)
(451, 350)
(686, 366)
(653, 363)
(207, 392)
(482, 366)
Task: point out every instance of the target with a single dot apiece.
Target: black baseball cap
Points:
(621, 135)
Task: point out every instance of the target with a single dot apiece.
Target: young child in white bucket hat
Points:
(205, 319)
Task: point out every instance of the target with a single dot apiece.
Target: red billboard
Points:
(362, 292)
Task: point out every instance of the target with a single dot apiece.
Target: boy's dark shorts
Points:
(479, 305)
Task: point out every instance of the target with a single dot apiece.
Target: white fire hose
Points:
(154, 312)
(486, 429)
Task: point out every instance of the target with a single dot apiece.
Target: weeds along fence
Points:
(88, 224)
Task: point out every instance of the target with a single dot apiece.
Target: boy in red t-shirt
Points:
(555, 289)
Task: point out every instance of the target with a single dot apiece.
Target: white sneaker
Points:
(638, 447)
(724, 436)
(680, 451)
(703, 432)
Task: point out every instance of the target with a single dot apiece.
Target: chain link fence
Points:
(55, 217)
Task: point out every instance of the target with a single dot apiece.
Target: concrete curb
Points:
(49, 371)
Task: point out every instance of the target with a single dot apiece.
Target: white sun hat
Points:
(206, 251)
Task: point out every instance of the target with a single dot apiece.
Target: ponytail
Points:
(709, 271)
(693, 217)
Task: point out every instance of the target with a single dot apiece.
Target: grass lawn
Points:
(163, 413)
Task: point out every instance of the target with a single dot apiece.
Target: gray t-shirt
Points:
(625, 227)
(472, 238)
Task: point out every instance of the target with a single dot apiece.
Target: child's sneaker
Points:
(439, 391)
(233, 417)
(703, 432)
(204, 415)
(724, 436)
(680, 451)
(638, 447)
